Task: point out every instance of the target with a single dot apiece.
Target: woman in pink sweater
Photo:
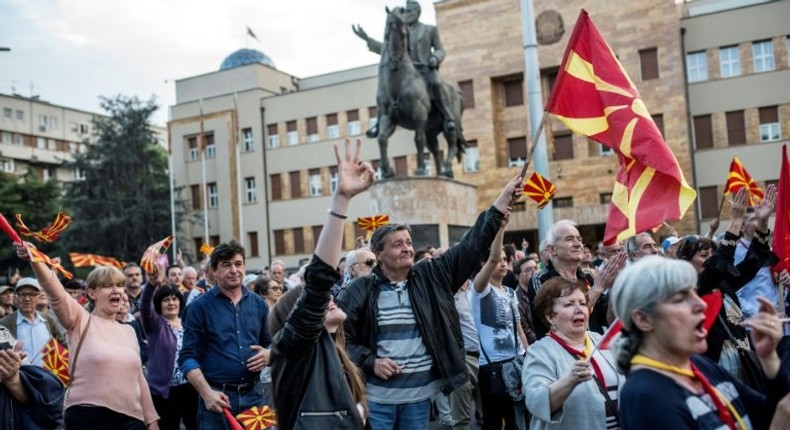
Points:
(108, 389)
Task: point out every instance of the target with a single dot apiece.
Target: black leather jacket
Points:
(432, 286)
(310, 388)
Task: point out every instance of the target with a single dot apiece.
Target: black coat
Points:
(310, 388)
(45, 393)
(432, 285)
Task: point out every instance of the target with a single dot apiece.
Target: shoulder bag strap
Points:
(73, 366)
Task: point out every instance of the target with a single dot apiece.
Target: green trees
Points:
(123, 204)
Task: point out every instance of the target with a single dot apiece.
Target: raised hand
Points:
(354, 176)
(766, 334)
(765, 208)
(360, 32)
(738, 204)
(510, 194)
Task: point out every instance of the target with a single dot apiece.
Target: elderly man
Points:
(277, 272)
(566, 250)
(640, 246)
(401, 328)
(359, 262)
(28, 325)
(225, 336)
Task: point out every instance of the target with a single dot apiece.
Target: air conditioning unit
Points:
(42, 128)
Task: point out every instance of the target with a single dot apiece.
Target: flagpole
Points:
(535, 140)
(238, 166)
(202, 148)
(721, 205)
(172, 196)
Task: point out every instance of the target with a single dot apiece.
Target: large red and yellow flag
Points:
(49, 233)
(79, 259)
(780, 244)
(594, 96)
(56, 360)
(257, 418)
(37, 256)
(739, 178)
(539, 189)
(152, 254)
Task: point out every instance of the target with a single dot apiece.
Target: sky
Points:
(73, 52)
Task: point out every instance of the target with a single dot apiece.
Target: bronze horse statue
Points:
(403, 99)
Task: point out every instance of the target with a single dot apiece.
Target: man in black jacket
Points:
(402, 328)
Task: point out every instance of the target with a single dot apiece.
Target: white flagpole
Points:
(238, 167)
(202, 149)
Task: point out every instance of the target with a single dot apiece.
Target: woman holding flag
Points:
(671, 385)
(569, 383)
(109, 392)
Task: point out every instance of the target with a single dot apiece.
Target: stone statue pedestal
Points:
(439, 210)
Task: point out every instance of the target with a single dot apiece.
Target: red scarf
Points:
(581, 355)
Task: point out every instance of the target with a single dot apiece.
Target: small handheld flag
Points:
(539, 189)
(49, 233)
(739, 178)
(90, 260)
(257, 418)
(37, 256)
(372, 223)
(56, 360)
(151, 255)
(714, 301)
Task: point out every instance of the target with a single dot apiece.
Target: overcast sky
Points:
(74, 51)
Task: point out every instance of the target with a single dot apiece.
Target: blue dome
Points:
(245, 56)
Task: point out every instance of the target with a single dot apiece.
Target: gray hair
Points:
(377, 238)
(630, 244)
(639, 288)
(189, 269)
(551, 236)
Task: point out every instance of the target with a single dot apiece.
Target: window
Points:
(333, 179)
(605, 198)
(279, 242)
(354, 128)
(83, 128)
(196, 196)
(52, 145)
(79, 174)
(316, 187)
(296, 185)
(193, 148)
(736, 129)
(250, 186)
(703, 132)
(517, 151)
(211, 148)
(213, 195)
(648, 61)
(252, 244)
(563, 202)
(401, 167)
(513, 91)
(20, 115)
(74, 147)
(7, 165)
(709, 202)
(373, 118)
(6, 137)
(247, 140)
(332, 129)
(730, 61)
(471, 157)
(8, 113)
(697, 66)
(273, 139)
(763, 54)
(563, 146)
(312, 129)
(468, 89)
(298, 240)
(277, 186)
(291, 136)
(41, 143)
(42, 122)
(769, 124)
(53, 121)
(658, 120)
(16, 139)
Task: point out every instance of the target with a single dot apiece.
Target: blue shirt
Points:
(35, 335)
(218, 336)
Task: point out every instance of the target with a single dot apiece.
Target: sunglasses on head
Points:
(370, 262)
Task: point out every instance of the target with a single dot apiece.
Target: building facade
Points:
(266, 173)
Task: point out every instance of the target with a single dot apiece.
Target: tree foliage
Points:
(123, 205)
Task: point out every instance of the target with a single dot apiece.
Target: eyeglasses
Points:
(369, 262)
(27, 295)
(277, 288)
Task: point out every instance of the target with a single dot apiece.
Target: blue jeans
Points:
(208, 420)
(406, 416)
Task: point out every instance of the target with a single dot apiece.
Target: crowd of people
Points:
(481, 333)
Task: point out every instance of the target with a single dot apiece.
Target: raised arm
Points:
(483, 277)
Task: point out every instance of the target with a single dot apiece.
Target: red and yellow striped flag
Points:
(49, 233)
(89, 260)
(257, 418)
(151, 255)
(594, 96)
(206, 249)
(739, 178)
(39, 257)
(539, 189)
(56, 360)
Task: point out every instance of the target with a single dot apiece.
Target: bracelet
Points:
(336, 215)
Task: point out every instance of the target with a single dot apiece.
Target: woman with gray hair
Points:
(670, 383)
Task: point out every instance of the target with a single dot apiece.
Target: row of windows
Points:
(763, 60)
(45, 122)
(770, 128)
(332, 131)
(8, 165)
(10, 138)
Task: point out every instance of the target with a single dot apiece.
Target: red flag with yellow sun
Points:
(257, 418)
(56, 360)
(539, 189)
(739, 178)
(594, 96)
(372, 223)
